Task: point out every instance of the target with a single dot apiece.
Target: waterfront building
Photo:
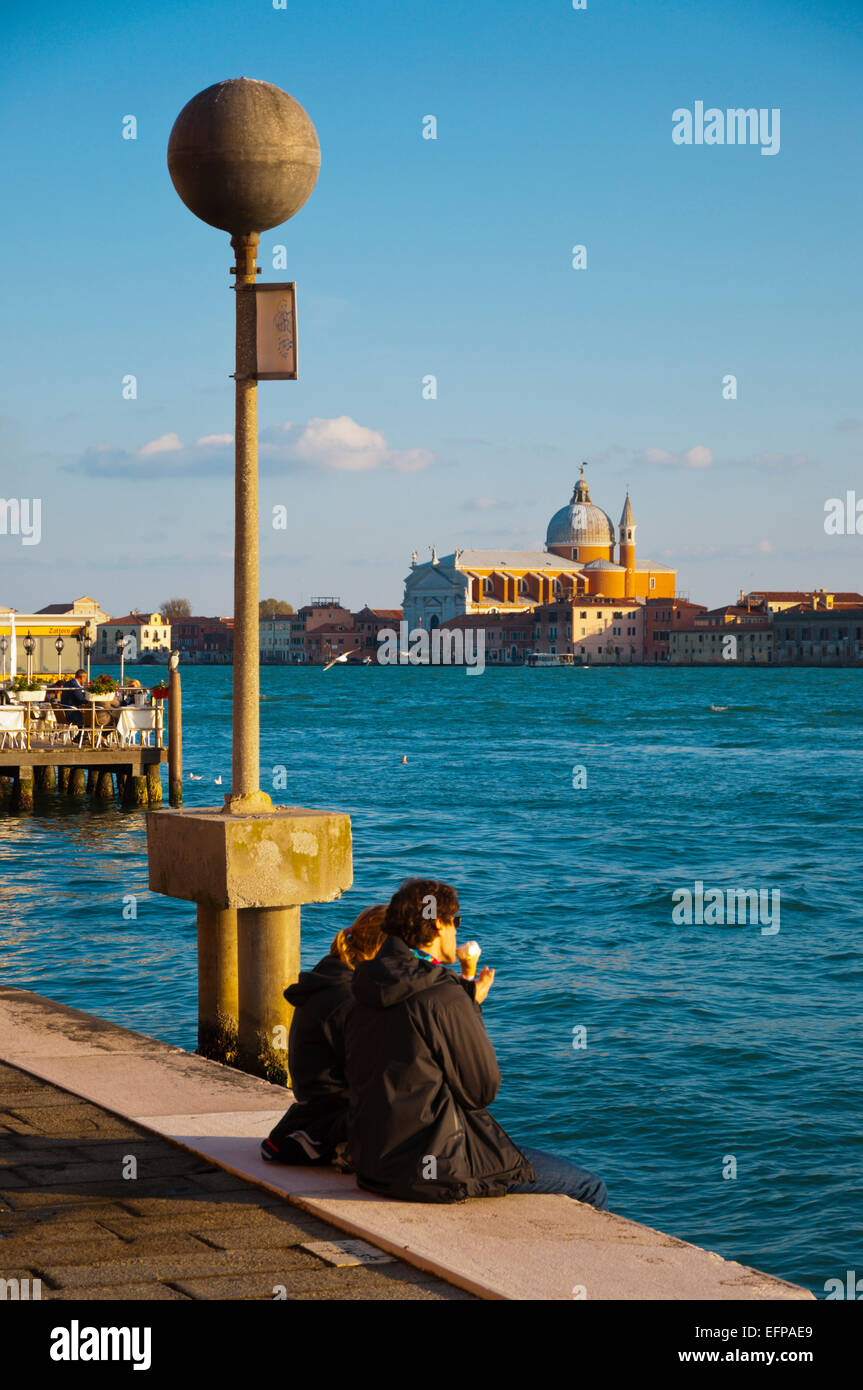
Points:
(151, 633)
(301, 637)
(661, 617)
(484, 582)
(735, 634)
(204, 641)
(71, 622)
(819, 634)
(779, 600)
(275, 639)
(591, 630)
(578, 560)
(509, 637)
(323, 630)
(584, 533)
(368, 622)
(88, 612)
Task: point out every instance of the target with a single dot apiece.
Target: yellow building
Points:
(149, 631)
(583, 532)
(578, 561)
(65, 623)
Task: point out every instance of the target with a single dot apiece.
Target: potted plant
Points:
(160, 691)
(28, 690)
(101, 690)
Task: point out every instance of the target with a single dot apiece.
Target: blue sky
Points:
(449, 257)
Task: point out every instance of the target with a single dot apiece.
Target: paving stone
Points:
(36, 1100)
(110, 1251)
(261, 1237)
(81, 1121)
(184, 1266)
(229, 1220)
(190, 1231)
(202, 1207)
(118, 1293)
(87, 1194)
(148, 1167)
(50, 1233)
(218, 1181)
(332, 1284)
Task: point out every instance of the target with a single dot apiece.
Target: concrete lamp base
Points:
(249, 875)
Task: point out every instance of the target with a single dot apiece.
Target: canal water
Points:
(718, 1090)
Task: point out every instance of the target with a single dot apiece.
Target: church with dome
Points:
(578, 562)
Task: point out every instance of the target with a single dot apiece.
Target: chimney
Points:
(813, 600)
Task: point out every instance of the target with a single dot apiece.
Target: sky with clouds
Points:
(450, 258)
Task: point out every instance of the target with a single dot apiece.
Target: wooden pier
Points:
(128, 770)
(131, 773)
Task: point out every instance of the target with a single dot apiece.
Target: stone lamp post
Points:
(244, 157)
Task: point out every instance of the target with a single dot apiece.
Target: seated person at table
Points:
(73, 699)
(421, 1071)
(316, 1125)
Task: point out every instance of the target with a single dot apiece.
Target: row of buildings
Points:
(588, 598)
(773, 628)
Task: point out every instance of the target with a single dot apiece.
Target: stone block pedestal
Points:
(249, 876)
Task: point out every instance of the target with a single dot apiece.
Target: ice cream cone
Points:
(469, 954)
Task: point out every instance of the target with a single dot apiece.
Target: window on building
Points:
(652, 582)
(582, 615)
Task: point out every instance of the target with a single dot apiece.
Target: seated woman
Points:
(316, 1125)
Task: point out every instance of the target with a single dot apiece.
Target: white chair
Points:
(12, 727)
(136, 724)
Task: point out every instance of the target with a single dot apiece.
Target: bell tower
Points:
(626, 532)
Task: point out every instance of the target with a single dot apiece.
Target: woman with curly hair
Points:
(315, 1127)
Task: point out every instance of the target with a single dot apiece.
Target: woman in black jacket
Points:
(316, 1125)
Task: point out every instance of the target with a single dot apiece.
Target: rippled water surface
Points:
(703, 1042)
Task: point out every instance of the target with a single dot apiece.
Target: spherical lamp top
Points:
(243, 156)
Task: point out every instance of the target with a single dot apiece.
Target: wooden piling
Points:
(49, 778)
(63, 778)
(104, 787)
(154, 784)
(77, 781)
(135, 791)
(175, 739)
(22, 792)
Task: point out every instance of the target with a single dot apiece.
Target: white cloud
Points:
(339, 445)
(696, 457)
(213, 439)
(166, 443)
(699, 457)
(342, 445)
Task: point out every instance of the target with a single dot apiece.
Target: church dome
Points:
(580, 523)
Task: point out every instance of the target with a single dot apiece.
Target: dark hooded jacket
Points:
(322, 1000)
(421, 1070)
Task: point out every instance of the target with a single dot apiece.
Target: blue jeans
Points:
(556, 1175)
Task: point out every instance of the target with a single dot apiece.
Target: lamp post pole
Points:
(244, 156)
(246, 751)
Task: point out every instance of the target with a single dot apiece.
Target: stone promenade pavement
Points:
(180, 1229)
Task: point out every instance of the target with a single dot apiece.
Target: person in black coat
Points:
(316, 1125)
(422, 1071)
(73, 698)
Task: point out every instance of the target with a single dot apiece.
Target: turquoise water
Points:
(704, 1042)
